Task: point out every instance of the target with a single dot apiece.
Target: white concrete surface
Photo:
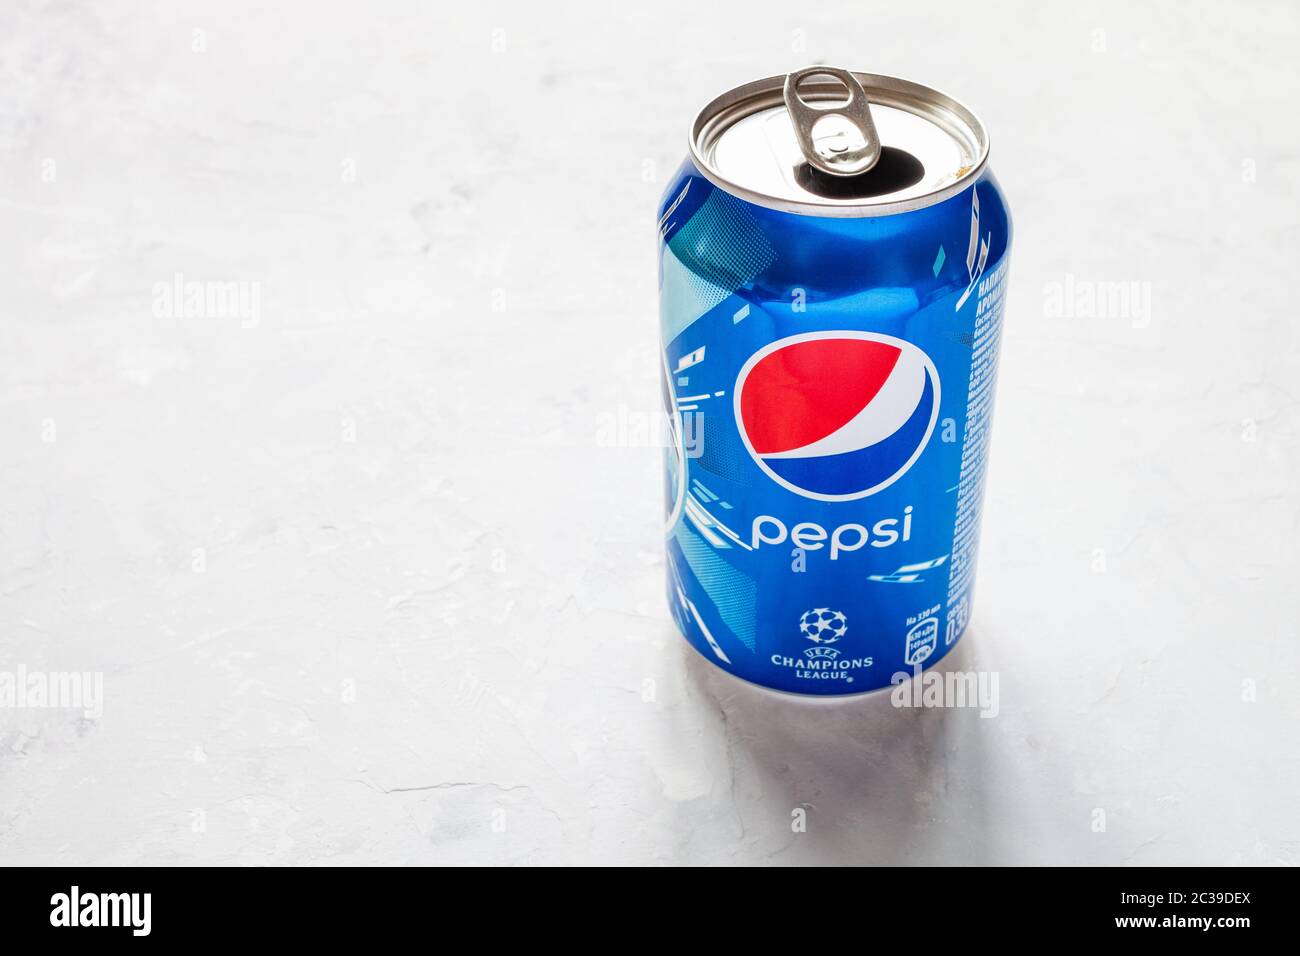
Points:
(362, 582)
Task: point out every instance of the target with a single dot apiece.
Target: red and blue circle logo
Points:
(837, 415)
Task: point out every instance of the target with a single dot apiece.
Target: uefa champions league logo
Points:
(823, 626)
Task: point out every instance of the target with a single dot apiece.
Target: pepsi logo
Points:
(837, 415)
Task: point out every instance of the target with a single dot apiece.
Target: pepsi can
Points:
(833, 261)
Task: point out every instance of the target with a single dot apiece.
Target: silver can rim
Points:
(741, 101)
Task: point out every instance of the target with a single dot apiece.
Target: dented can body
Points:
(830, 347)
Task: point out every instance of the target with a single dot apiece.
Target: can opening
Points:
(896, 169)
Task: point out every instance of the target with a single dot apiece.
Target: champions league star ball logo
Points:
(837, 415)
(821, 625)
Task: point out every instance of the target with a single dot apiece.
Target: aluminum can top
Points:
(824, 141)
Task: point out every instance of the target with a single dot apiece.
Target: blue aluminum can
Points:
(833, 263)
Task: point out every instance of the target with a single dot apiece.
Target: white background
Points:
(366, 584)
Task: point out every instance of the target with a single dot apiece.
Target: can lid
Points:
(827, 142)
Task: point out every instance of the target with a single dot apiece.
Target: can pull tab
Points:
(843, 153)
